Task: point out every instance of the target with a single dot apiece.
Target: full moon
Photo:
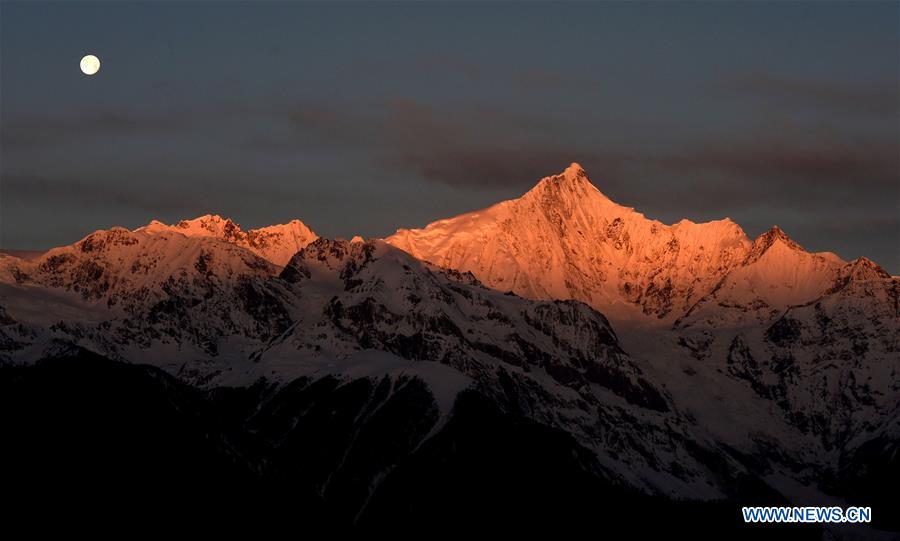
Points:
(90, 64)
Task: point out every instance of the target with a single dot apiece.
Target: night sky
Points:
(359, 118)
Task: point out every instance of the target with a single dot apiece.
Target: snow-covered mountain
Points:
(122, 290)
(732, 368)
(766, 345)
(723, 295)
(275, 243)
(214, 314)
(817, 379)
(775, 274)
(118, 263)
(833, 363)
(815, 336)
(564, 239)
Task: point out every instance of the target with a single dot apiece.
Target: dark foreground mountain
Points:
(303, 456)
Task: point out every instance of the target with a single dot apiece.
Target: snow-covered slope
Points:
(811, 393)
(121, 289)
(815, 379)
(564, 239)
(370, 295)
(276, 243)
(766, 345)
(836, 359)
(776, 273)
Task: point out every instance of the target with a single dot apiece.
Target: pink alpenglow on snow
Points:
(275, 243)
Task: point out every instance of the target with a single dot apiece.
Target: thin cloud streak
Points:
(882, 98)
(37, 131)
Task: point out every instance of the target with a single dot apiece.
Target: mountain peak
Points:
(573, 174)
(575, 171)
(571, 188)
(565, 239)
(276, 243)
(207, 225)
(207, 221)
(775, 235)
(865, 268)
(859, 273)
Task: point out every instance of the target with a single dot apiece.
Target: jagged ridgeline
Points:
(557, 358)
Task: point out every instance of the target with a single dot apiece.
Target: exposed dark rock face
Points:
(316, 453)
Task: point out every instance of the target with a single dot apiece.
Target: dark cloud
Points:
(881, 98)
(472, 146)
(49, 129)
(463, 145)
(489, 168)
(724, 171)
(95, 193)
(323, 124)
(809, 165)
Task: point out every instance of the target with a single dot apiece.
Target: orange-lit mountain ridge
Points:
(276, 243)
(564, 239)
